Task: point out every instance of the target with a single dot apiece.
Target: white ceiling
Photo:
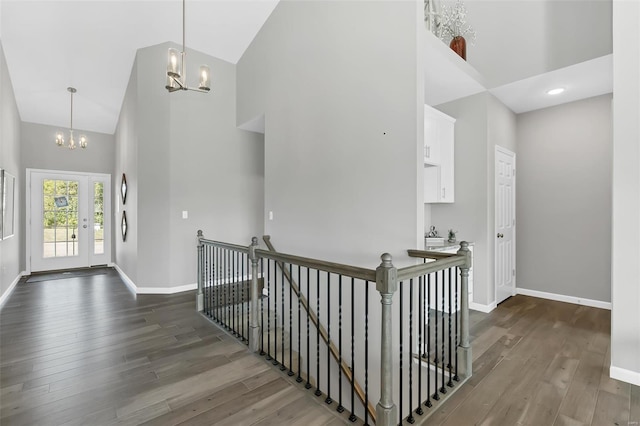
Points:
(91, 45)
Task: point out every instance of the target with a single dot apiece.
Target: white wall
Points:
(183, 152)
(563, 199)
(11, 258)
(337, 82)
(625, 277)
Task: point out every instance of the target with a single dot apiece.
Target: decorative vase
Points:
(459, 45)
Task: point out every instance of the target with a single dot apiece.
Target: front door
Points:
(505, 222)
(69, 217)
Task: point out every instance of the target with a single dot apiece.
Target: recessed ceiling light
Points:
(555, 91)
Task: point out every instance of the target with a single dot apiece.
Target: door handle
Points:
(500, 235)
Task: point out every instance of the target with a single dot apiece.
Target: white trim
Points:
(153, 290)
(11, 287)
(563, 298)
(625, 375)
(167, 290)
(128, 281)
(482, 308)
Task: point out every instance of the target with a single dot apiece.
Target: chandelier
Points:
(176, 68)
(60, 136)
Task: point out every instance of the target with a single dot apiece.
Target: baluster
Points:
(428, 403)
(450, 383)
(299, 378)
(366, 353)
(269, 310)
(282, 329)
(308, 384)
(290, 372)
(243, 279)
(455, 377)
(318, 391)
(340, 408)
(262, 307)
(410, 419)
(352, 417)
(443, 389)
(328, 400)
(400, 364)
(275, 314)
(420, 343)
(234, 279)
(436, 395)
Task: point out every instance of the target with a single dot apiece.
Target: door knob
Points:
(84, 226)
(500, 235)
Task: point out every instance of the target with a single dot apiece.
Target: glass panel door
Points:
(69, 217)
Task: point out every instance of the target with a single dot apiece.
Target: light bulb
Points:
(59, 139)
(72, 143)
(205, 82)
(83, 141)
(173, 66)
(555, 91)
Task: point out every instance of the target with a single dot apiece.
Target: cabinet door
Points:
(431, 184)
(431, 138)
(447, 162)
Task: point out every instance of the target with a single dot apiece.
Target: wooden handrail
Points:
(312, 315)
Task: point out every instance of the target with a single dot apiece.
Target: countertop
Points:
(444, 246)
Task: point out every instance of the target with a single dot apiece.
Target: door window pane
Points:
(98, 218)
(60, 218)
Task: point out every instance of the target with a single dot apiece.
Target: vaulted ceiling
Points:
(522, 48)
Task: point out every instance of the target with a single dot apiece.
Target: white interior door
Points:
(69, 220)
(505, 221)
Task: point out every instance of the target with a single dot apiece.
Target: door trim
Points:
(511, 154)
(107, 217)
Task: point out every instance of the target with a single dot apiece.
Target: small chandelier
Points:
(176, 68)
(83, 141)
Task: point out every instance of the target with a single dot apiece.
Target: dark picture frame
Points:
(123, 189)
(123, 226)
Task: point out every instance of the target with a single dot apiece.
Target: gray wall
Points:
(505, 28)
(183, 152)
(482, 122)
(11, 249)
(341, 103)
(625, 317)
(564, 199)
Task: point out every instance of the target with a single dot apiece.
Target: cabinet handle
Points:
(444, 192)
(428, 151)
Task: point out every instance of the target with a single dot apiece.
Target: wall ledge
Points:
(564, 298)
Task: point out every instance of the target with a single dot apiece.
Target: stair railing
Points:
(267, 300)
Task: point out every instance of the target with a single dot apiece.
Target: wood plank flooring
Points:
(539, 362)
(86, 351)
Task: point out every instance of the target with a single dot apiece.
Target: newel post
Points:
(386, 284)
(200, 295)
(254, 325)
(464, 349)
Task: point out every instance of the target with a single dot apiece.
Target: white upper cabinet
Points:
(438, 156)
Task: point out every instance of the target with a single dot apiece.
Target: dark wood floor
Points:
(539, 362)
(86, 351)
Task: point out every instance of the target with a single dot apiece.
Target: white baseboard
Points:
(482, 308)
(153, 290)
(624, 375)
(11, 287)
(167, 290)
(563, 298)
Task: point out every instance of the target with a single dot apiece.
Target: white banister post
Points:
(386, 284)
(254, 325)
(200, 295)
(464, 349)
